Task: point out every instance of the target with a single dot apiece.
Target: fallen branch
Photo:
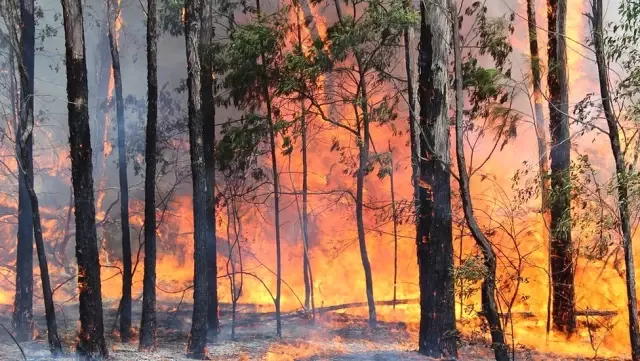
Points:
(16, 342)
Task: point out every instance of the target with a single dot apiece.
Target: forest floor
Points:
(333, 337)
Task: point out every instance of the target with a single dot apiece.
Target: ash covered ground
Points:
(334, 336)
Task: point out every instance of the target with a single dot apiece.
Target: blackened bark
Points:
(26, 68)
(23, 302)
(621, 177)
(91, 342)
(113, 10)
(208, 118)
(488, 288)
(562, 267)
(438, 332)
(148, 323)
(198, 340)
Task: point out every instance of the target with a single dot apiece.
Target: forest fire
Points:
(504, 187)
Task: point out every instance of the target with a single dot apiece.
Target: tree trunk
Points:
(198, 339)
(363, 162)
(306, 264)
(26, 68)
(208, 115)
(488, 289)
(394, 214)
(621, 177)
(113, 10)
(413, 113)
(562, 267)
(23, 302)
(438, 332)
(276, 193)
(91, 339)
(148, 323)
(541, 135)
(362, 169)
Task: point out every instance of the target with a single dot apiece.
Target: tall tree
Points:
(198, 339)
(23, 302)
(488, 297)
(208, 118)
(26, 69)
(276, 182)
(148, 322)
(414, 125)
(562, 254)
(363, 136)
(622, 176)
(434, 231)
(541, 134)
(91, 338)
(113, 9)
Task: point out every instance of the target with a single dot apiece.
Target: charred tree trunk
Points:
(26, 68)
(198, 340)
(148, 323)
(621, 177)
(541, 135)
(438, 332)
(208, 118)
(23, 302)
(562, 268)
(113, 10)
(488, 289)
(91, 338)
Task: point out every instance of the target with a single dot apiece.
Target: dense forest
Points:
(319, 179)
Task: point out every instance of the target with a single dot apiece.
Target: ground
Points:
(332, 337)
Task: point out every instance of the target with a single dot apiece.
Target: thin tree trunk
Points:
(394, 214)
(488, 288)
(306, 264)
(23, 302)
(91, 338)
(26, 68)
(363, 162)
(276, 194)
(113, 9)
(208, 115)
(362, 167)
(621, 178)
(541, 135)
(148, 323)
(198, 339)
(438, 334)
(562, 268)
(414, 126)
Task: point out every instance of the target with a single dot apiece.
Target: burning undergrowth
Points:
(332, 336)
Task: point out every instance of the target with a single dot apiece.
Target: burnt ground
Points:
(333, 337)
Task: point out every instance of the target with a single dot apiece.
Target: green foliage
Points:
(371, 36)
(237, 151)
(489, 90)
